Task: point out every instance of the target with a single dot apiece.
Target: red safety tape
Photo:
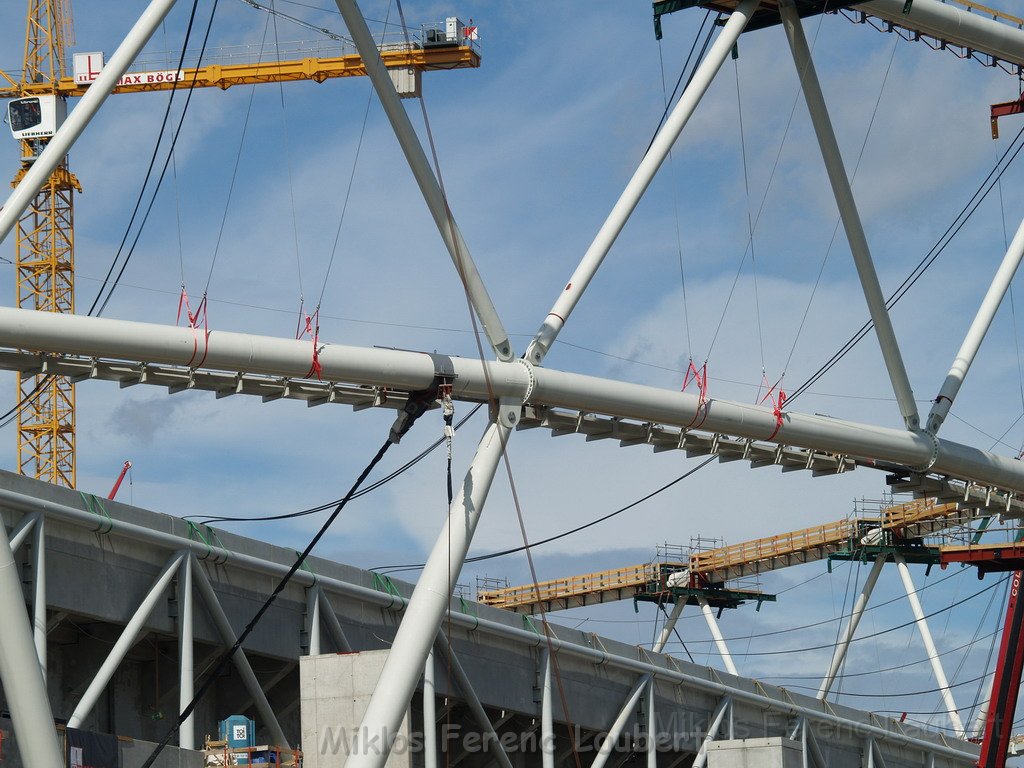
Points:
(777, 403)
(313, 330)
(193, 323)
(700, 378)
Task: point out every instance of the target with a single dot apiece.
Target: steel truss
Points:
(514, 383)
(187, 560)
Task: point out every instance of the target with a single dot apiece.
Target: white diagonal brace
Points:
(20, 675)
(713, 727)
(80, 116)
(642, 177)
(716, 633)
(429, 186)
(39, 592)
(976, 333)
(21, 531)
(491, 738)
(333, 625)
(633, 697)
(429, 603)
(228, 637)
(929, 644)
(848, 212)
(851, 627)
(124, 643)
(547, 728)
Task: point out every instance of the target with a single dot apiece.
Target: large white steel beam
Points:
(851, 627)
(20, 675)
(186, 653)
(81, 115)
(929, 644)
(429, 185)
(642, 177)
(39, 592)
(848, 213)
(976, 333)
(954, 24)
(716, 633)
(124, 643)
(228, 637)
(413, 371)
(428, 605)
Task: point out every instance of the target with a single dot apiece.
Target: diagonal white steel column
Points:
(848, 212)
(633, 697)
(976, 333)
(929, 644)
(124, 643)
(495, 747)
(333, 625)
(186, 654)
(652, 727)
(39, 592)
(713, 727)
(80, 116)
(851, 627)
(642, 177)
(428, 183)
(547, 723)
(429, 713)
(22, 679)
(228, 637)
(313, 620)
(21, 531)
(430, 600)
(716, 633)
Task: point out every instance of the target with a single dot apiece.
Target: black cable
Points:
(922, 266)
(682, 72)
(949, 607)
(152, 163)
(513, 550)
(414, 408)
(327, 505)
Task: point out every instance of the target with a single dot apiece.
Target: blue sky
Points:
(535, 147)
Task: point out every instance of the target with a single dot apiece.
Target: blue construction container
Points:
(238, 731)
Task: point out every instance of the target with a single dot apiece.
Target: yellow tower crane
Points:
(45, 248)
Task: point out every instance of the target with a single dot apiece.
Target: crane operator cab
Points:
(36, 117)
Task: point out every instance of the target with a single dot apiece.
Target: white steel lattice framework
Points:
(515, 383)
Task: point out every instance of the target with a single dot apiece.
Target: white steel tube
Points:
(633, 697)
(472, 622)
(79, 118)
(954, 24)
(716, 633)
(652, 729)
(848, 212)
(494, 746)
(430, 600)
(610, 739)
(547, 721)
(228, 637)
(333, 625)
(186, 654)
(978, 729)
(429, 713)
(39, 593)
(313, 619)
(851, 627)
(124, 643)
(21, 531)
(669, 626)
(22, 679)
(99, 337)
(642, 177)
(713, 727)
(429, 186)
(929, 644)
(976, 333)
